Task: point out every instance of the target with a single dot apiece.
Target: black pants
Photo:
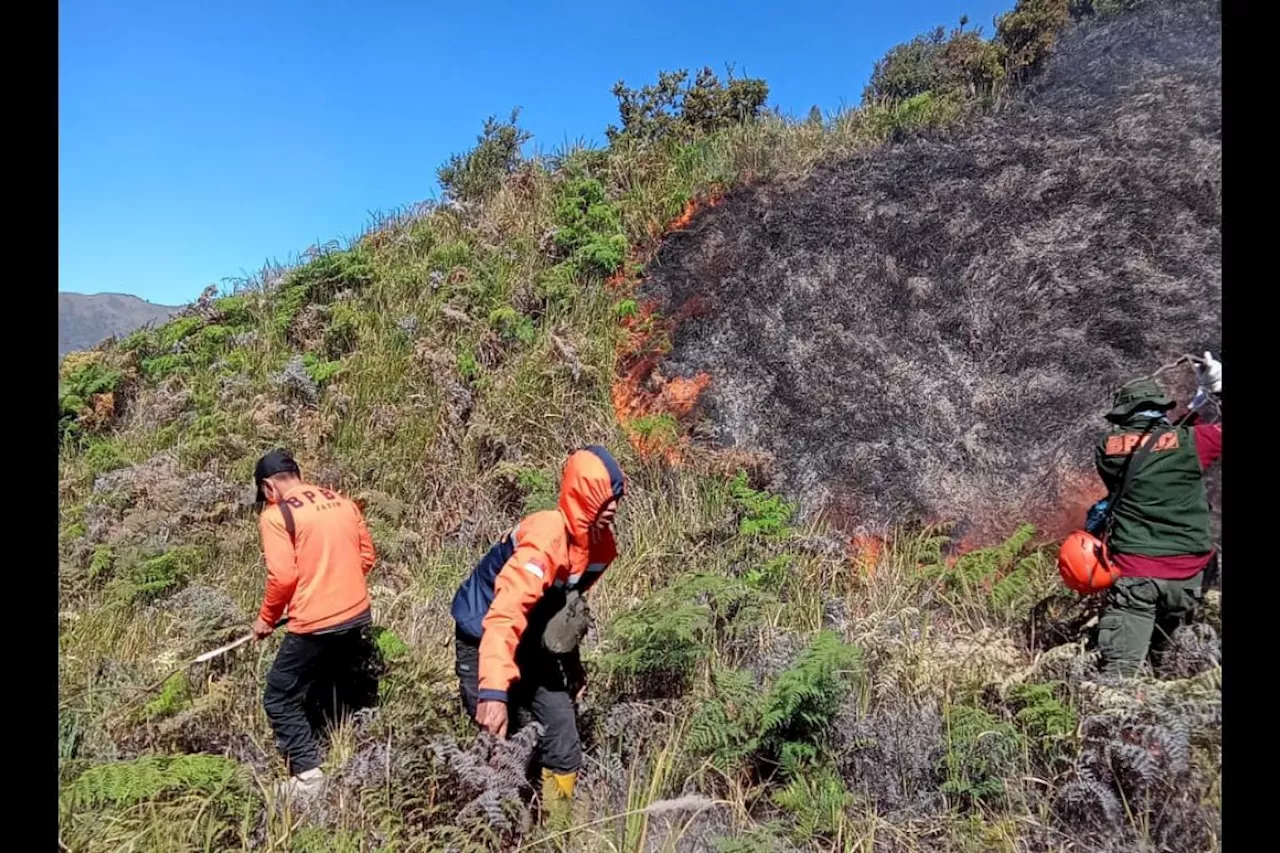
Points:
(315, 681)
(543, 693)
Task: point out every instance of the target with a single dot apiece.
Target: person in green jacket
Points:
(1159, 537)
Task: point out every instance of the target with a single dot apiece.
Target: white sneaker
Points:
(304, 785)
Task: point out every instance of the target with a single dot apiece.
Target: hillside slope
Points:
(86, 320)
(932, 330)
(758, 681)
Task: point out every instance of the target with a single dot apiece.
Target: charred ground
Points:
(932, 329)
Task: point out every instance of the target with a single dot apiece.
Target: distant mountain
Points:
(87, 320)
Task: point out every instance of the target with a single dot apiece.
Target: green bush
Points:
(319, 281)
(1005, 580)
(234, 311)
(805, 698)
(478, 173)
(771, 574)
(468, 364)
(143, 340)
(161, 367)
(662, 429)
(1045, 720)
(557, 284)
(1029, 32)
(236, 361)
(538, 488)
(77, 388)
(937, 63)
(319, 370)
(934, 75)
(512, 325)
(342, 333)
(723, 725)
(919, 113)
(676, 107)
(176, 331)
(103, 456)
(389, 645)
(589, 228)
(659, 643)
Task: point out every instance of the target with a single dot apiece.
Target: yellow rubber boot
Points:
(557, 797)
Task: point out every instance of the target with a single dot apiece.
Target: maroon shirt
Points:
(1182, 566)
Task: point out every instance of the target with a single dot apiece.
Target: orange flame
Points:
(866, 553)
(685, 217)
(680, 394)
(637, 392)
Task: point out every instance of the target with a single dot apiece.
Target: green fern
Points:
(390, 646)
(759, 513)
(127, 783)
(783, 726)
(722, 727)
(174, 696)
(589, 228)
(1005, 579)
(318, 282)
(817, 801)
(148, 578)
(804, 699)
(103, 562)
(771, 574)
(981, 752)
(318, 369)
(665, 637)
(659, 641)
(1046, 721)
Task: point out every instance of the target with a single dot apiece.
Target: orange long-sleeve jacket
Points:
(552, 548)
(316, 570)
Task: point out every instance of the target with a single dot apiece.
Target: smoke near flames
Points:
(933, 330)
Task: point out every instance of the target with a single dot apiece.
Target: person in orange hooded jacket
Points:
(503, 608)
(318, 551)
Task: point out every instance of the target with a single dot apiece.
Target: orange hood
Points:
(590, 480)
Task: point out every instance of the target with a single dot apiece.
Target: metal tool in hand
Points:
(207, 656)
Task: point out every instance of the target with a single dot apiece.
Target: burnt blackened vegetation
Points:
(933, 328)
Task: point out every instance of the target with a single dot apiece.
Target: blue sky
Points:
(197, 140)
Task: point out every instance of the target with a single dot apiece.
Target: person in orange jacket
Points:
(520, 614)
(318, 551)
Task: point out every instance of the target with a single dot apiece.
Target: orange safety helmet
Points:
(1083, 564)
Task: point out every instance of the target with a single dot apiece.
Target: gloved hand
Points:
(1209, 374)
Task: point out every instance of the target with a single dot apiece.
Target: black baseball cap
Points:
(275, 462)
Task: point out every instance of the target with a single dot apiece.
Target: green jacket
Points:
(1165, 511)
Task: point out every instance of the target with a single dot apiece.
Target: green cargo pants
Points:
(1140, 615)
